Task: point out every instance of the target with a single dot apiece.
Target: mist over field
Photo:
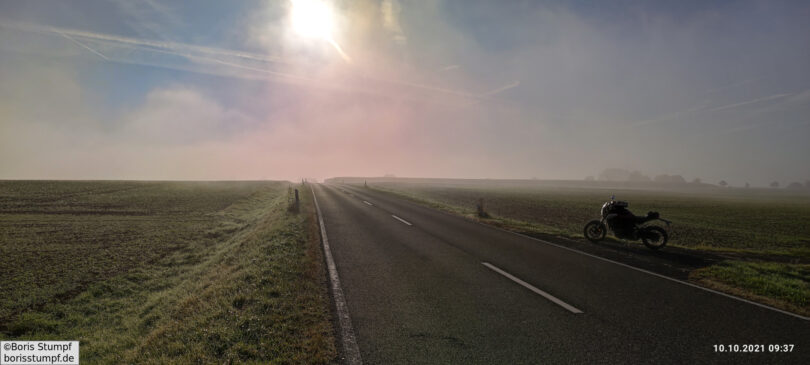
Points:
(466, 89)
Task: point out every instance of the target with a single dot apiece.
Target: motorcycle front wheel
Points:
(654, 237)
(595, 231)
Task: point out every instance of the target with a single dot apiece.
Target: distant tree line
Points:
(793, 186)
(798, 185)
(623, 175)
(617, 175)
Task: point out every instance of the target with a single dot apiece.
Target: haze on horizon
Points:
(202, 90)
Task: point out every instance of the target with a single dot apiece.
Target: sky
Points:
(214, 90)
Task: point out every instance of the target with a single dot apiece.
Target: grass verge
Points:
(775, 284)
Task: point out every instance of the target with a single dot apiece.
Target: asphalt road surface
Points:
(423, 286)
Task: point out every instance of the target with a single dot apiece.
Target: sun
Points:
(313, 19)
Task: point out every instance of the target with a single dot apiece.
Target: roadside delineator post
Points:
(480, 209)
(293, 200)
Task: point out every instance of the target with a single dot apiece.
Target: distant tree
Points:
(807, 184)
(614, 174)
(747, 185)
(696, 181)
(590, 178)
(636, 176)
(670, 179)
(795, 185)
(775, 184)
(723, 183)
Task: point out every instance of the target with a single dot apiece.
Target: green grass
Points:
(164, 272)
(772, 283)
(767, 229)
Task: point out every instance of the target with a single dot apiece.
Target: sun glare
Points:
(313, 18)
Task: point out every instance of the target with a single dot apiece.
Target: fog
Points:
(467, 89)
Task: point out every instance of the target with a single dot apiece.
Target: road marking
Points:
(401, 220)
(533, 288)
(368, 203)
(349, 342)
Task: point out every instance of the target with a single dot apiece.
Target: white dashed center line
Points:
(401, 220)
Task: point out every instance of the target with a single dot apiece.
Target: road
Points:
(423, 286)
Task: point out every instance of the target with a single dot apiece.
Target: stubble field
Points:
(161, 272)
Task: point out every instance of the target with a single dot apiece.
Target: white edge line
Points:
(350, 349)
(621, 264)
(531, 287)
(368, 203)
(653, 274)
(401, 220)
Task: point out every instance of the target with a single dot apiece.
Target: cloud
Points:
(180, 115)
(390, 14)
(182, 131)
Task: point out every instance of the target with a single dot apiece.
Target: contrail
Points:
(730, 106)
(501, 89)
(233, 59)
(427, 87)
(702, 109)
(274, 73)
(140, 42)
(84, 46)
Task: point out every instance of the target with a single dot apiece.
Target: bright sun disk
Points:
(313, 19)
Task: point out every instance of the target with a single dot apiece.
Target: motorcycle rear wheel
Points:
(654, 237)
(595, 231)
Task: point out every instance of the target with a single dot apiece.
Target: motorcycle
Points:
(627, 226)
